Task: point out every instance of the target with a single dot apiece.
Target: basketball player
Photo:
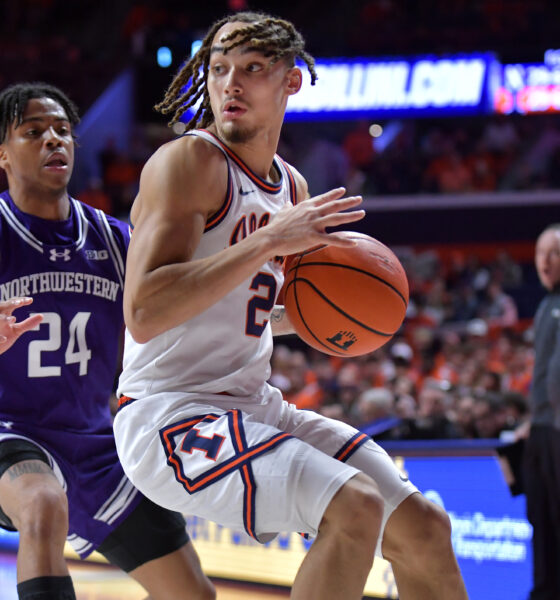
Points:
(60, 475)
(198, 428)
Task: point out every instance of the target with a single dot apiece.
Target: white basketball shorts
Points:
(264, 468)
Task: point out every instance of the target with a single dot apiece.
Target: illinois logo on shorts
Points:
(203, 449)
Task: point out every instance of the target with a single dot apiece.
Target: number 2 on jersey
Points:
(264, 302)
(77, 351)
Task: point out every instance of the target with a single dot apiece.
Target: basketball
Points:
(346, 301)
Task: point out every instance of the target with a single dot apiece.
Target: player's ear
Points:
(294, 81)
(3, 156)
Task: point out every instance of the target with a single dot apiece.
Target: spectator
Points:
(434, 404)
(499, 309)
(375, 404)
(489, 415)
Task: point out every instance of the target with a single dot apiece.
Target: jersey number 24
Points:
(76, 352)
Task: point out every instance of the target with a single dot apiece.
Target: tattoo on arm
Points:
(28, 466)
(277, 314)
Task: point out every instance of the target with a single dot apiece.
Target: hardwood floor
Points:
(101, 582)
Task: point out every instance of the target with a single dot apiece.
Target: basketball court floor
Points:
(101, 582)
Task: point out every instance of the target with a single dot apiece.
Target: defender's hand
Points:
(10, 329)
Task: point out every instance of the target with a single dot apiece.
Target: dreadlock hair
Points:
(14, 99)
(275, 37)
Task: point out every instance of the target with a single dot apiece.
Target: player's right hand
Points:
(297, 228)
(10, 329)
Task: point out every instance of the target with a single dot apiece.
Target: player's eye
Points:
(253, 67)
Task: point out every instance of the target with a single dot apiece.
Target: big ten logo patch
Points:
(97, 254)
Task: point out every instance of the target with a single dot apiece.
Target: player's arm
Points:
(181, 185)
(279, 321)
(10, 329)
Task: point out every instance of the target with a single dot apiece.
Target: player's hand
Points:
(297, 228)
(10, 329)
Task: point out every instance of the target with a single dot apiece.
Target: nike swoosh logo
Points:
(244, 193)
(403, 477)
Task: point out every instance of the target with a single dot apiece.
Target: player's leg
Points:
(415, 532)
(231, 468)
(417, 542)
(152, 546)
(33, 502)
(340, 559)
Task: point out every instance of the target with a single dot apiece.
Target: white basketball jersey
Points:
(226, 348)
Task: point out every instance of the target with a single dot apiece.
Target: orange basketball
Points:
(346, 301)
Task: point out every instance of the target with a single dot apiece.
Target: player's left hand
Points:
(10, 329)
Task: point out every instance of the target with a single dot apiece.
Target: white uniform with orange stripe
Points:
(201, 431)
(226, 348)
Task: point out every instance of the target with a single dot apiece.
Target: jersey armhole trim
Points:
(291, 180)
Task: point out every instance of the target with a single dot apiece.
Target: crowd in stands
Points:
(453, 156)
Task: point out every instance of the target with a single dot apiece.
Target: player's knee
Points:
(206, 590)
(44, 514)
(427, 547)
(435, 531)
(201, 588)
(357, 510)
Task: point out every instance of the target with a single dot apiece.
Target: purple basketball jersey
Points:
(55, 382)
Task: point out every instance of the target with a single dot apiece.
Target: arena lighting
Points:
(164, 57)
(552, 57)
(375, 130)
(195, 46)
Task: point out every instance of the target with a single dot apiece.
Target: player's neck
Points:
(257, 153)
(53, 205)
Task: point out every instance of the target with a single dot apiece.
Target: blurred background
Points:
(445, 115)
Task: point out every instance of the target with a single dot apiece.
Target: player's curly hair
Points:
(275, 37)
(14, 99)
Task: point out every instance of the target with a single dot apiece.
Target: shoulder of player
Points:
(301, 183)
(186, 165)
(187, 154)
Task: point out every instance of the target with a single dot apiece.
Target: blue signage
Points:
(421, 86)
(490, 534)
(402, 87)
(464, 84)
